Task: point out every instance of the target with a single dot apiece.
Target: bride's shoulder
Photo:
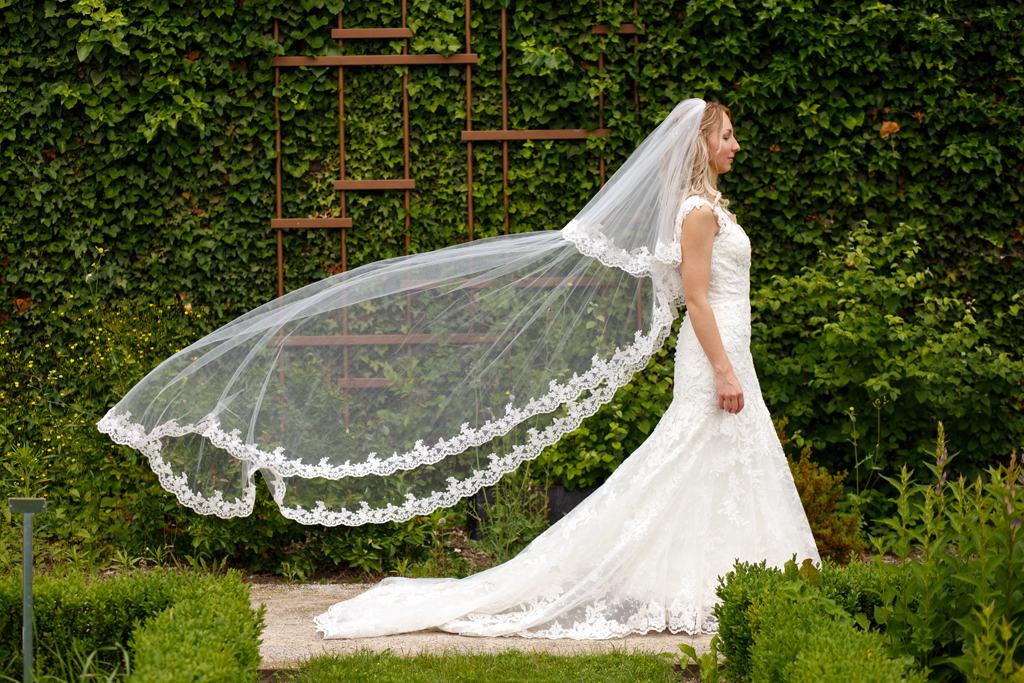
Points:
(699, 218)
(689, 204)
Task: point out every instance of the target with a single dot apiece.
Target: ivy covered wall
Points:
(137, 144)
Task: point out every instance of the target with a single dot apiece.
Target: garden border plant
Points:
(153, 625)
(953, 612)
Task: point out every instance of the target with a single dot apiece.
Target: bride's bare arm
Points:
(698, 234)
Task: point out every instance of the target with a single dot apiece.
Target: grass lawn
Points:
(511, 666)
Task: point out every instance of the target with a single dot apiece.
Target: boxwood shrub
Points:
(169, 621)
(819, 642)
(746, 593)
(210, 635)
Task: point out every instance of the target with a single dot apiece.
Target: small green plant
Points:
(72, 558)
(992, 656)
(124, 561)
(26, 470)
(870, 458)
(711, 669)
(199, 565)
(160, 556)
(80, 666)
(296, 571)
(964, 588)
(836, 534)
(515, 516)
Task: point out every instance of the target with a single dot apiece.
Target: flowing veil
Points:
(404, 385)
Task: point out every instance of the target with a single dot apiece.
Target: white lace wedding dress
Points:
(643, 552)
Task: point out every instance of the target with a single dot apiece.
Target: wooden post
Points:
(469, 126)
(504, 115)
(277, 176)
(600, 112)
(405, 127)
(341, 151)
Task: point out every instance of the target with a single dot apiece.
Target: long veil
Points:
(404, 385)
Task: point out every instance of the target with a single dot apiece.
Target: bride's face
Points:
(725, 146)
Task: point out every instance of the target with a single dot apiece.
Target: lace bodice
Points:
(730, 257)
(729, 287)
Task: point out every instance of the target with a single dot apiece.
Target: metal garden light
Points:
(29, 507)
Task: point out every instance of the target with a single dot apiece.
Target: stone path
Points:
(290, 636)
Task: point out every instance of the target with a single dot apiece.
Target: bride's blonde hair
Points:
(701, 181)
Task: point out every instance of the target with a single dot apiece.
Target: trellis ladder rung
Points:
(383, 339)
(375, 184)
(605, 30)
(373, 60)
(310, 223)
(350, 33)
(500, 135)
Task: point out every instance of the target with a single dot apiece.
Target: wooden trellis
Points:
(469, 136)
(407, 183)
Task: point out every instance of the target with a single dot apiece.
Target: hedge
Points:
(786, 626)
(820, 643)
(174, 625)
(748, 588)
(209, 635)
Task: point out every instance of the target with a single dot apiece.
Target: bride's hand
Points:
(730, 393)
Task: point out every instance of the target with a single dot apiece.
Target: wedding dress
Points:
(643, 552)
(402, 386)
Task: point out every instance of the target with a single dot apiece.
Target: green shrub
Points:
(968, 581)
(855, 589)
(767, 616)
(859, 587)
(953, 602)
(869, 321)
(740, 592)
(836, 535)
(76, 613)
(209, 635)
(75, 608)
(803, 637)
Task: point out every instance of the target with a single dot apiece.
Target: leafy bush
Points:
(955, 610)
(51, 397)
(952, 603)
(836, 535)
(70, 609)
(857, 589)
(209, 635)
(802, 636)
(868, 322)
(83, 614)
(739, 592)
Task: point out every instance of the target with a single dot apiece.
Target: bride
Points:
(549, 324)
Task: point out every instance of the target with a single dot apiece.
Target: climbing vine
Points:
(137, 144)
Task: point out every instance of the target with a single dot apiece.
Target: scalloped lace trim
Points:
(653, 618)
(590, 241)
(601, 381)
